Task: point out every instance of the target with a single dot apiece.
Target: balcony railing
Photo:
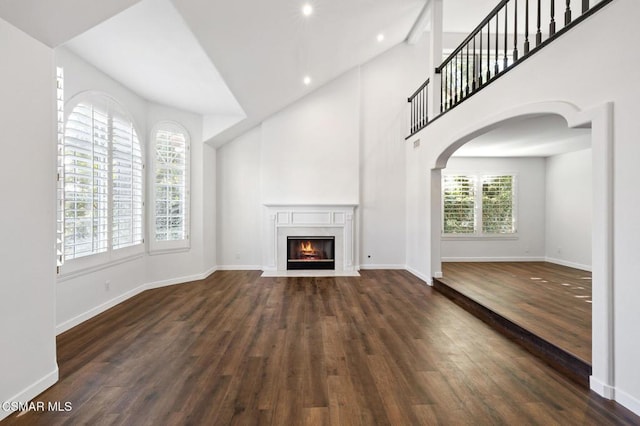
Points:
(419, 110)
(495, 46)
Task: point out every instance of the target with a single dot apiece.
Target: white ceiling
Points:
(55, 21)
(263, 49)
(150, 49)
(541, 136)
(165, 50)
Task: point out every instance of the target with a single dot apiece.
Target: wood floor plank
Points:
(380, 349)
(549, 300)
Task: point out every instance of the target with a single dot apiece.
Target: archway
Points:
(600, 120)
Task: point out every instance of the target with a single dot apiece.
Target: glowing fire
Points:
(306, 247)
(308, 250)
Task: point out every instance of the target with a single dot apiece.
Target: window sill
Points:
(168, 247)
(509, 237)
(86, 265)
(161, 251)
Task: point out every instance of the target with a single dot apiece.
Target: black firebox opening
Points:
(311, 253)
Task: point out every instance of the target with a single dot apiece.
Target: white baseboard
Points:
(568, 264)
(180, 280)
(383, 266)
(32, 391)
(239, 268)
(423, 277)
(310, 273)
(67, 325)
(601, 388)
(495, 259)
(628, 401)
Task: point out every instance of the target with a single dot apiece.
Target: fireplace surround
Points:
(329, 222)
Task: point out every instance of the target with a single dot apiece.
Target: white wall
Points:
(568, 209)
(27, 304)
(83, 294)
(239, 216)
(310, 150)
(529, 244)
(342, 143)
(585, 83)
(383, 125)
(209, 214)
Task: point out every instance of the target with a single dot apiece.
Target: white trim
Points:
(174, 281)
(494, 259)
(384, 266)
(627, 400)
(161, 251)
(69, 324)
(568, 263)
(309, 273)
(240, 268)
(601, 388)
(32, 391)
(417, 274)
(80, 271)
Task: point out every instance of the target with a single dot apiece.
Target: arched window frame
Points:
(158, 242)
(112, 246)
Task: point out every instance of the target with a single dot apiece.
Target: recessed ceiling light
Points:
(307, 9)
(306, 80)
(380, 37)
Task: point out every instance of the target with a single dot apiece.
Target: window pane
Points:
(497, 205)
(171, 150)
(102, 180)
(458, 195)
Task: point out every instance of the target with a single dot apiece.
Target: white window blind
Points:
(171, 174)
(478, 204)
(459, 198)
(103, 180)
(497, 204)
(127, 184)
(60, 168)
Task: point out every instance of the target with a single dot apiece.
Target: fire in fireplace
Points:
(311, 253)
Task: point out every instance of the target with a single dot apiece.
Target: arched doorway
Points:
(600, 121)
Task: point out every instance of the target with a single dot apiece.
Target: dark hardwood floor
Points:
(549, 300)
(240, 349)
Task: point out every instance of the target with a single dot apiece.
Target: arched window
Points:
(171, 186)
(103, 183)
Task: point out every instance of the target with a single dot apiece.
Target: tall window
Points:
(171, 186)
(478, 205)
(103, 189)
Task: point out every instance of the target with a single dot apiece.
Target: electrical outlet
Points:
(107, 285)
(416, 143)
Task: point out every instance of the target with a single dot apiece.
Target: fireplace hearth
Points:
(311, 253)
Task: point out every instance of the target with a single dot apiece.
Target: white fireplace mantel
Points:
(282, 220)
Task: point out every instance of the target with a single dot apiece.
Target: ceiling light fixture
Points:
(380, 37)
(307, 9)
(306, 80)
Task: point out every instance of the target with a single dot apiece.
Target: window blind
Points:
(60, 169)
(171, 180)
(458, 194)
(497, 204)
(102, 180)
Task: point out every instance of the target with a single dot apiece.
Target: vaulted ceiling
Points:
(235, 62)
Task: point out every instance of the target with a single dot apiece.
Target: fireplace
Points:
(311, 253)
